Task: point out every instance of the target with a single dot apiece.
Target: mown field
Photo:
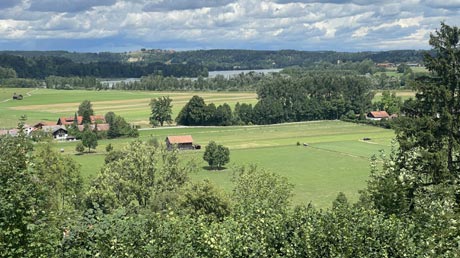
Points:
(49, 105)
(336, 160)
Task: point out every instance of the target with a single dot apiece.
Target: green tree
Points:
(61, 175)
(193, 113)
(27, 222)
(89, 139)
(80, 148)
(139, 176)
(109, 147)
(86, 111)
(432, 123)
(6, 73)
(223, 115)
(403, 68)
(161, 110)
(216, 155)
(389, 102)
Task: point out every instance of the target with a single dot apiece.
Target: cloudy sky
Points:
(125, 25)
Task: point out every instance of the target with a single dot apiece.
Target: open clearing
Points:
(336, 160)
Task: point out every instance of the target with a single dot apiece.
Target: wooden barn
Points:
(377, 115)
(182, 142)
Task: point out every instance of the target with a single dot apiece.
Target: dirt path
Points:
(28, 94)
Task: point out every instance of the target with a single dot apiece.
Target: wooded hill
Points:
(224, 59)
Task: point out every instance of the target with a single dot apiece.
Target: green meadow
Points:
(49, 105)
(335, 160)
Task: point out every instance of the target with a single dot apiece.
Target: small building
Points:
(70, 120)
(100, 127)
(58, 132)
(182, 142)
(11, 132)
(385, 65)
(377, 115)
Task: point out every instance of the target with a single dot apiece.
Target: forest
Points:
(43, 66)
(231, 59)
(143, 203)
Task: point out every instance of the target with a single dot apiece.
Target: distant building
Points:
(385, 65)
(58, 132)
(183, 142)
(100, 127)
(377, 115)
(70, 120)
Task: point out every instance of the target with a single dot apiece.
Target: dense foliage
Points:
(216, 155)
(314, 96)
(43, 66)
(161, 111)
(197, 112)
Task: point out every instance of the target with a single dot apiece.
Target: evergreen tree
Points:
(86, 111)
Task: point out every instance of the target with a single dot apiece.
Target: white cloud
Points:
(311, 25)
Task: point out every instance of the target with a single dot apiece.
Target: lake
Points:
(212, 74)
(230, 73)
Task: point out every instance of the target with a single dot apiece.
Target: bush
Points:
(80, 148)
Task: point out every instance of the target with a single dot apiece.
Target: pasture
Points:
(49, 105)
(336, 159)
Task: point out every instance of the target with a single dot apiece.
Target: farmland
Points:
(336, 160)
(48, 105)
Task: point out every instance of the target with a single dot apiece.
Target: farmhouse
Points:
(100, 127)
(58, 132)
(70, 120)
(377, 115)
(183, 142)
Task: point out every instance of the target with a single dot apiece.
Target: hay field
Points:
(49, 105)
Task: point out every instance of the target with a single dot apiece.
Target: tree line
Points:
(42, 66)
(315, 96)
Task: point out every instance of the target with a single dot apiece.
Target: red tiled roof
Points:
(379, 114)
(100, 127)
(69, 120)
(97, 117)
(180, 139)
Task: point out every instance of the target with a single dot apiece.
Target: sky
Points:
(129, 25)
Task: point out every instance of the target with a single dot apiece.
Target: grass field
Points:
(48, 105)
(336, 159)
(404, 94)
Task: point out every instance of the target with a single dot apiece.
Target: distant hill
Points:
(222, 59)
(39, 64)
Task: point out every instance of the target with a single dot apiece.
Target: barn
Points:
(377, 115)
(182, 142)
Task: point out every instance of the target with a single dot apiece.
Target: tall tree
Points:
(86, 111)
(89, 139)
(161, 110)
(432, 120)
(193, 113)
